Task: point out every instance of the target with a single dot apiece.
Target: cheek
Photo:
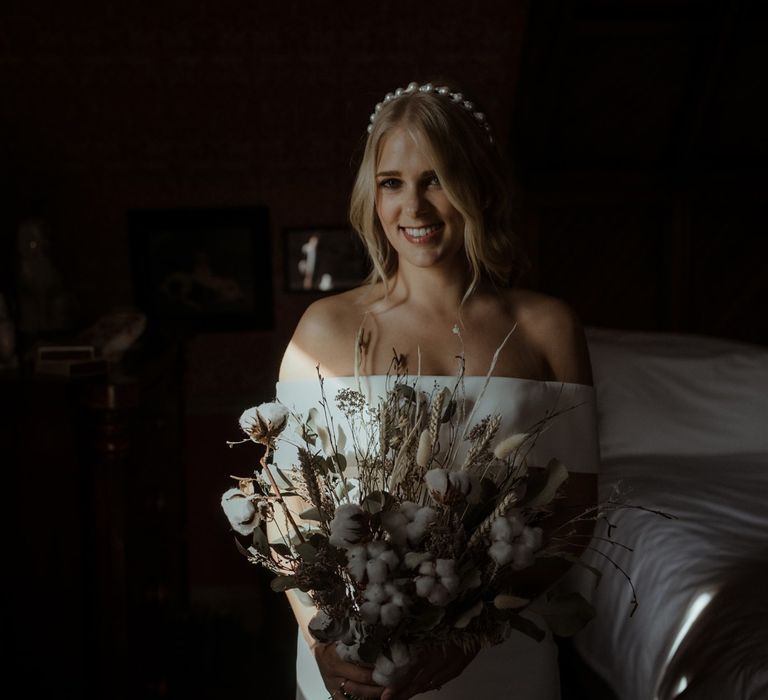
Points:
(384, 210)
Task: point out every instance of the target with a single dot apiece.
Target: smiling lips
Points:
(422, 234)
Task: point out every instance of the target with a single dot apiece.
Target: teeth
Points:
(421, 232)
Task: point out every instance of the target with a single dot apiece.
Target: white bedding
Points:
(683, 424)
(722, 521)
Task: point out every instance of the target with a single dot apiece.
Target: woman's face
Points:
(420, 222)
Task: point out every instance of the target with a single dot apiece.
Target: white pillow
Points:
(677, 394)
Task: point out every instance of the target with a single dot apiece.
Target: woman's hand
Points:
(434, 668)
(344, 679)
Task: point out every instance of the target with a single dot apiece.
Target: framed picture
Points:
(323, 259)
(205, 269)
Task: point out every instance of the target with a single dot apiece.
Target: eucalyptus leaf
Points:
(341, 461)
(468, 615)
(316, 539)
(505, 601)
(374, 502)
(313, 514)
(526, 627)
(260, 541)
(280, 584)
(241, 549)
(325, 439)
(306, 551)
(406, 391)
(341, 439)
(281, 478)
(578, 561)
(450, 409)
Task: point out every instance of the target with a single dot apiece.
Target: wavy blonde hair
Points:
(473, 174)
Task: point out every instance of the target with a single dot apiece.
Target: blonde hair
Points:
(473, 174)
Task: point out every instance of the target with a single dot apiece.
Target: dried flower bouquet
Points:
(417, 542)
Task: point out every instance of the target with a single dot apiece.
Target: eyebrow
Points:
(397, 173)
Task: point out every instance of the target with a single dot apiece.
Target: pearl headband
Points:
(455, 97)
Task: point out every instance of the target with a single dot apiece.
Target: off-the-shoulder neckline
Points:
(473, 377)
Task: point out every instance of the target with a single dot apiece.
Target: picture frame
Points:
(204, 269)
(323, 259)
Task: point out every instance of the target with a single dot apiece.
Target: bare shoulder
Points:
(556, 331)
(325, 336)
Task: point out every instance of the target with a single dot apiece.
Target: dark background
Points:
(637, 134)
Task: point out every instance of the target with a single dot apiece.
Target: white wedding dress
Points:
(519, 668)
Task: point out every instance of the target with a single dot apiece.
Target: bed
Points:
(683, 423)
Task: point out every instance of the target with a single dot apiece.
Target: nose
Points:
(416, 203)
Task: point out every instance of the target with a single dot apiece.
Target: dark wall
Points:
(213, 104)
(638, 141)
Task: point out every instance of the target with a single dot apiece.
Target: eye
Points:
(433, 180)
(389, 183)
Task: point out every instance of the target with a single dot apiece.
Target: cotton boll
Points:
(390, 558)
(425, 515)
(376, 593)
(439, 595)
(451, 584)
(399, 599)
(427, 568)
(515, 522)
(416, 531)
(391, 614)
(265, 422)
(357, 558)
(387, 671)
(376, 548)
(394, 520)
(531, 537)
(274, 413)
(437, 480)
(376, 570)
(460, 482)
(445, 567)
(409, 509)
(413, 560)
(401, 655)
(501, 530)
(240, 511)
(369, 611)
(424, 585)
(348, 525)
(384, 667)
(501, 552)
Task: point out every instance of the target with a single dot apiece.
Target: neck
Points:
(440, 289)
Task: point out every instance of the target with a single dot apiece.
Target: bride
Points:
(431, 202)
